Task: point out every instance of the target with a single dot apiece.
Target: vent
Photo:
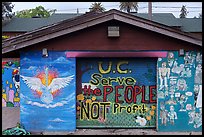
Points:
(113, 31)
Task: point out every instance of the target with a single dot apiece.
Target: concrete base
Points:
(10, 117)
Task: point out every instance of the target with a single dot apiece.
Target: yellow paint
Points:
(93, 98)
(104, 71)
(118, 67)
(151, 112)
(153, 107)
(3, 104)
(78, 107)
(4, 96)
(148, 118)
(88, 101)
(16, 99)
(11, 85)
(16, 94)
(80, 97)
(7, 82)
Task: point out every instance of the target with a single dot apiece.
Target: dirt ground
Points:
(10, 116)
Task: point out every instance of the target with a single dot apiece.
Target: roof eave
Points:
(36, 36)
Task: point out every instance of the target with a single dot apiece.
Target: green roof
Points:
(163, 18)
(168, 19)
(191, 24)
(28, 24)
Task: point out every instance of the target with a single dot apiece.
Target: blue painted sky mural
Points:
(47, 92)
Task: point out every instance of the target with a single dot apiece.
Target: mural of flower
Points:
(148, 118)
(80, 97)
(78, 107)
(93, 98)
(88, 101)
(152, 112)
(153, 107)
(141, 121)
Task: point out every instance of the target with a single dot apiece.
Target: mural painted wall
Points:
(48, 92)
(116, 92)
(10, 82)
(180, 92)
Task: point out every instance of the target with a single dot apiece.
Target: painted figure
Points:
(163, 114)
(191, 115)
(164, 74)
(198, 119)
(172, 115)
(188, 58)
(177, 69)
(199, 98)
(181, 85)
(182, 100)
(170, 58)
(186, 73)
(199, 57)
(196, 91)
(198, 74)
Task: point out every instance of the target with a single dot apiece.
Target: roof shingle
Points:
(168, 19)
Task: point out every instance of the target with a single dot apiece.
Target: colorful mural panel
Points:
(179, 92)
(10, 82)
(116, 92)
(48, 98)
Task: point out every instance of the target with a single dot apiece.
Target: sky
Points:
(193, 8)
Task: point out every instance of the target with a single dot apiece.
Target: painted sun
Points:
(42, 77)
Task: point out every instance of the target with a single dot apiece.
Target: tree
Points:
(128, 6)
(39, 11)
(183, 12)
(7, 10)
(98, 7)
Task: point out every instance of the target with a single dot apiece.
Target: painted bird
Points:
(47, 90)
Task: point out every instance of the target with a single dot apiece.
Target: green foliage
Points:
(16, 63)
(18, 130)
(183, 12)
(128, 6)
(5, 37)
(7, 10)
(97, 7)
(39, 11)
(9, 104)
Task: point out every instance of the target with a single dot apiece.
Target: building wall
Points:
(95, 38)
